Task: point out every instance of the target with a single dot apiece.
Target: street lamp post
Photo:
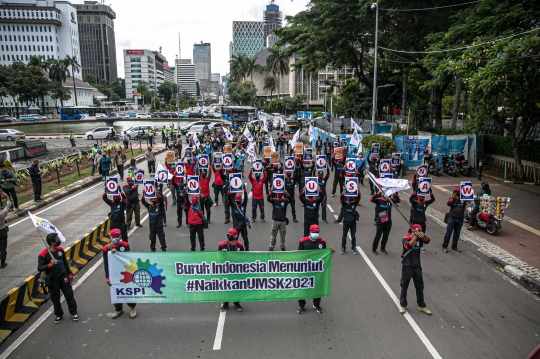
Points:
(375, 105)
(374, 109)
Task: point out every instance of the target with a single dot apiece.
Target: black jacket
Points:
(311, 208)
(290, 183)
(34, 170)
(413, 258)
(132, 193)
(118, 207)
(383, 208)
(238, 212)
(155, 216)
(57, 272)
(457, 208)
(279, 207)
(418, 210)
(349, 210)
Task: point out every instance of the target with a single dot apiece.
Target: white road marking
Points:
(38, 322)
(330, 208)
(407, 316)
(219, 330)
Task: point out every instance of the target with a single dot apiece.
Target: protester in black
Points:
(131, 190)
(182, 202)
(155, 223)
(54, 263)
(290, 183)
(117, 215)
(238, 206)
(338, 166)
(373, 168)
(231, 244)
(322, 180)
(348, 208)
(419, 207)
(311, 209)
(279, 218)
(383, 219)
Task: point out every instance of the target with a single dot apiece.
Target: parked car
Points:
(98, 133)
(133, 131)
(186, 128)
(9, 134)
(131, 114)
(41, 117)
(195, 115)
(156, 114)
(7, 119)
(143, 115)
(25, 118)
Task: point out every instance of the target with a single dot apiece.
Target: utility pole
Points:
(374, 108)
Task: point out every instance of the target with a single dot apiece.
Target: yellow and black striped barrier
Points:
(24, 300)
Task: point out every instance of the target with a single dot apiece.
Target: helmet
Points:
(233, 231)
(314, 228)
(195, 199)
(238, 197)
(129, 179)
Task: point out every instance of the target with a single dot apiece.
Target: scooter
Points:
(484, 220)
(432, 163)
(449, 165)
(462, 165)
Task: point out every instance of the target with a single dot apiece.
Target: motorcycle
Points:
(462, 165)
(484, 220)
(449, 165)
(140, 137)
(115, 138)
(432, 163)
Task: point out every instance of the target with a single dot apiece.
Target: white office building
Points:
(42, 28)
(185, 75)
(139, 66)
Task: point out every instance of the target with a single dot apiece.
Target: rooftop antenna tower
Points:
(179, 47)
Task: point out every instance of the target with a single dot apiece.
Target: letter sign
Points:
(227, 161)
(139, 177)
(257, 166)
(149, 189)
(278, 183)
(375, 149)
(421, 171)
(467, 192)
(350, 165)
(385, 166)
(351, 186)
(424, 185)
(188, 153)
(112, 186)
(180, 169)
(321, 162)
(203, 162)
(235, 182)
(193, 185)
(289, 163)
(396, 158)
(312, 187)
(218, 158)
(162, 176)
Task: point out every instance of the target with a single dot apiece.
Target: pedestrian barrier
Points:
(21, 302)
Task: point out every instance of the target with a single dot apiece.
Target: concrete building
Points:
(139, 66)
(216, 77)
(248, 37)
(98, 46)
(160, 73)
(272, 19)
(185, 77)
(225, 82)
(42, 28)
(168, 73)
(202, 59)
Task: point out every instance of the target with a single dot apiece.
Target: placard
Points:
(385, 167)
(257, 166)
(422, 171)
(289, 163)
(162, 176)
(299, 148)
(308, 150)
(343, 142)
(139, 177)
(424, 185)
(227, 161)
(149, 189)
(338, 153)
(193, 185)
(180, 169)
(188, 153)
(274, 157)
(235, 183)
(278, 183)
(321, 162)
(203, 162)
(351, 186)
(170, 157)
(386, 175)
(267, 151)
(308, 157)
(375, 148)
(396, 158)
(466, 192)
(227, 149)
(350, 165)
(218, 158)
(112, 186)
(311, 187)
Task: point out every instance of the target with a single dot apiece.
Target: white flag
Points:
(248, 135)
(46, 226)
(251, 150)
(161, 168)
(228, 134)
(311, 133)
(265, 126)
(283, 122)
(295, 138)
(355, 126)
(272, 144)
(355, 139)
(389, 185)
(196, 140)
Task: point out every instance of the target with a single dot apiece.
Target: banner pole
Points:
(45, 243)
(389, 199)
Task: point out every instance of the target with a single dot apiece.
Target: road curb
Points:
(64, 192)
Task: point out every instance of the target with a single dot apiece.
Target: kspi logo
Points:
(144, 276)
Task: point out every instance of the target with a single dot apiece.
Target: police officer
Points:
(71, 138)
(116, 245)
(231, 244)
(53, 262)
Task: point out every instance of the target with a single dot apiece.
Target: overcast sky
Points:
(144, 24)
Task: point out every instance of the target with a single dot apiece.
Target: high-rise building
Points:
(225, 82)
(216, 77)
(185, 77)
(98, 46)
(202, 59)
(44, 28)
(139, 66)
(248, 37)
(160, 61)
(272, 19)
(168, 73)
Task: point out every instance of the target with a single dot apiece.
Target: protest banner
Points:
(299, 148)
(338, 153)
(227, 148)
(274, 157)
(235, 183)
(321, 162)
(424, 185)
(311, 187)
(227, 161)
(170, 157)
(278, 183)
(385, 166)
(149, 189)
(351, 186)
(180, 170)
(289, 163)
(267, 150)
(257, 166)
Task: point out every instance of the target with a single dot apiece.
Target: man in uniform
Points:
(231, 244)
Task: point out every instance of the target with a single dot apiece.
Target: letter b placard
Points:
(278, 183)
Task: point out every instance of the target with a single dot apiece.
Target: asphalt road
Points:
(477, 312)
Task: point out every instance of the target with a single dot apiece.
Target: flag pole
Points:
(46, 245)
(372, 179)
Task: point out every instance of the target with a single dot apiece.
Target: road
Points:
(477, 312)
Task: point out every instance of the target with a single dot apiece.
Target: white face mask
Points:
(115, 240)
(314, 235)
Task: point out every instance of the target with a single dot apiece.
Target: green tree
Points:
(91, 79)
(118, 86)
(168, 90)
(270, 85)
(238, 67)
(354, 99)
(250, 67)
(142, 88)
(242, 94)
(75, 67)
(387, 144)
(278, 63)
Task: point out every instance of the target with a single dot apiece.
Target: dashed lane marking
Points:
(219, 330)
(330, 208)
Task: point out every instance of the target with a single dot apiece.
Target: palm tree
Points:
(278, 63)
(58, 72)
(75, 67)
(270, 84)
(36, 61)
(238, 65)
(251, 66)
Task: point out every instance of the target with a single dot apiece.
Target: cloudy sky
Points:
(143, 24)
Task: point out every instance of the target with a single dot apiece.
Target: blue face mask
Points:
(314, 235)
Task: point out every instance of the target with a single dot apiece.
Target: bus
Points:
(239, 114)
(84, 113)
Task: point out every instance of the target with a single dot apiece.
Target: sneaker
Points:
(402, 310)
(224, 307)
(3, 266)
(333, 195)
(270, 249)
(75, 317)
(116, 314)
(425, 310)
(139, 225)
(295, 220)
(58, 319)
(262, 220)
(354, 251)
(374, 252)
(173, 204)
(423, 250)
(343, 250)
(215, 205)
(238, 307)
(383, 251)
(226, 221)
(300, 310)
(283, 249)
(317, 309)
(132, 313)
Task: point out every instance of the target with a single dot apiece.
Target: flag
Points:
(355, 140)
(228, 134)
(295, 139)
(389, 185)
(161, 168)
(355, 126)
(46, 226)
(265, 126)
(251, 150)
(196, 140)
(272, 144)
(311, 133)
(248, 135)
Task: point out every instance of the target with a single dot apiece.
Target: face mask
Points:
(231, 238)
(56, 244)
(115, 241)
(314, 235)
(257, 177)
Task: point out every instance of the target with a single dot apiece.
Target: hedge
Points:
(502, 146)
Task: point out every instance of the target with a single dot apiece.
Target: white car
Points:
(9, 134)
(143, 115)
(197, 129)
(101, 115)
(98, 133)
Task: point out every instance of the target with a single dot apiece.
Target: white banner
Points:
(388, 185)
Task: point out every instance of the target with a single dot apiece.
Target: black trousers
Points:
(11, 193)
(123, 228)
(207, 207)
(120, 169)
(346, 228)
(414, 273)
(227, 210)
(384, 231)
(337, 180)
(119, 306)
(3, 245)
(217, 190)
(160, 233)
(151, 167)
(292, 203)
(306, 227)
(179, 211)
(244, 233)
(196, 231)
(126, 144)
(316, 302)
(37, 189)
(67, 290)
(323, 206)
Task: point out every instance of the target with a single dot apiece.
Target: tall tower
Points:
(272, 19)
(202, 58)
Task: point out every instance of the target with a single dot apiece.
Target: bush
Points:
(502, 146)
(387, 144)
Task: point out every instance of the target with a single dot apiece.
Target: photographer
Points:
(7, 183)
(53, 262)
(4, 230)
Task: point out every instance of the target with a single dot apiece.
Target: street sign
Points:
(312, 187)
(235, 183)
(112, 186)
(227, 161)
(321, 162)
(193, 185)
(149, 189)
(139, 177)
(278, 183)
(351, 186)
(424, 185)
(466, 192)
(385, 166)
